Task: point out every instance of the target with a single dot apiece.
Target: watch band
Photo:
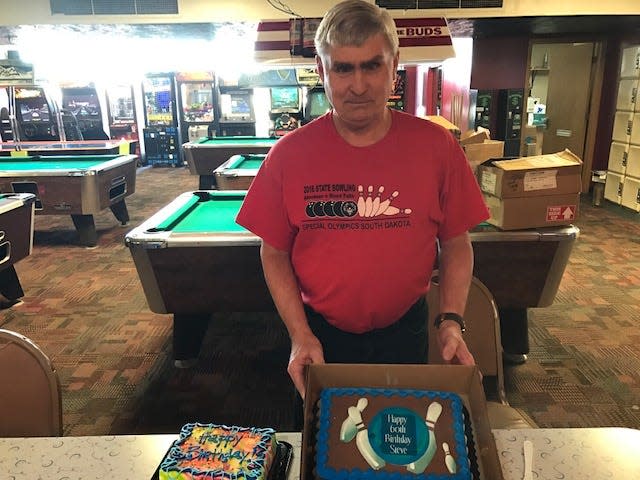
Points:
(441, 317)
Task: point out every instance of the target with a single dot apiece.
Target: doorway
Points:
(561, 82)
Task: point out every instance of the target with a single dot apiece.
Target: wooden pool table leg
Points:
(188, 332)
(120, 211)
(86, 228)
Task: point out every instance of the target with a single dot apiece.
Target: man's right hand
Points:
(305, 350)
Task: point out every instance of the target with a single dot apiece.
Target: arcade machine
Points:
(162, 137)
(196, 92)
(484, 110)
(317, 104)
(509, 120)
(36, 115)
(237, 116)
(397, 98)
(83, 103)
(121, 112)
(286, 110)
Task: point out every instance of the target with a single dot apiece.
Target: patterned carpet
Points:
(86, 309)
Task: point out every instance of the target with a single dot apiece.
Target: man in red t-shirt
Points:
(351, 209)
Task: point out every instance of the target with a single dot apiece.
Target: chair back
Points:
(30, 396)
(482, 335)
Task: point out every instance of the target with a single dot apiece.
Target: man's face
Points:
(359, 80)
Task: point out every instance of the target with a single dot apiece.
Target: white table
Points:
(569, 454)
(124, 457)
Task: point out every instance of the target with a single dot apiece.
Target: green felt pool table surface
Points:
(63, 163)
(234, 141)
(212, 211)
(245, 162)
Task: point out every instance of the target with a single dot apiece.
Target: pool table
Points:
(80, 147)
(522, 269)
(193, 260)
(80, 186)
(238, 172)
(16, 241)
(203, 156)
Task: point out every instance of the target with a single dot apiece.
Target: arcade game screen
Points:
(32, 106)
(83, 103)
(318, 104)
(198, 102)
(285, 99)
(122, 110)
(240, 105)
(158, 100)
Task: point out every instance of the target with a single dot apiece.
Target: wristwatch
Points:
(441, 317)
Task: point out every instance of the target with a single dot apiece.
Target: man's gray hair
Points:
(353, 22)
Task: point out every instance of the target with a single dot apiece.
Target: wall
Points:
(499, 63)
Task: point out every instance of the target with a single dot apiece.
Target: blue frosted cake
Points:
(372, 434)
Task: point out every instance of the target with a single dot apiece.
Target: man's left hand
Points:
(453, 348)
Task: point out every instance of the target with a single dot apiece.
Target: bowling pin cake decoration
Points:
(433, 413)
(448, 458)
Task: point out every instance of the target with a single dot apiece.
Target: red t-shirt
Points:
(361, 223)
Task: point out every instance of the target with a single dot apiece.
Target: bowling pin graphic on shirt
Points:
(372, 207)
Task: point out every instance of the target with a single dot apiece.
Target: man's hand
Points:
(453, 348)
(305, 349)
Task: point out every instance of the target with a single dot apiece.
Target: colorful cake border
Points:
(187, 429)
(464, 472)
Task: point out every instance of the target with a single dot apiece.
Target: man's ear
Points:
(319, 66)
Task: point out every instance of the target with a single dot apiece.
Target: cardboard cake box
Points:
(463, 380)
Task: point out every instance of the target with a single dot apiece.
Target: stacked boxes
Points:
(531, 192)
(623, 171)
(478, 147)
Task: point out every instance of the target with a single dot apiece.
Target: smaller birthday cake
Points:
(217, 452)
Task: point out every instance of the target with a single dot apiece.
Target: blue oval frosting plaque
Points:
(398, 435)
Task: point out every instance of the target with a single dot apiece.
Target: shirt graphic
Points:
(347, 201)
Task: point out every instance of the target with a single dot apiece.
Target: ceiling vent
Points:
(114, 7)
(434, 4)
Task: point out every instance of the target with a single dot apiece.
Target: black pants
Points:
(404, 342)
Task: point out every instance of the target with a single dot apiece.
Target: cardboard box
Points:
(478, 153)
(443, 122)
(531, 192)
(472, 136)
(542, 175)
(460, 379)
(531, 212)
